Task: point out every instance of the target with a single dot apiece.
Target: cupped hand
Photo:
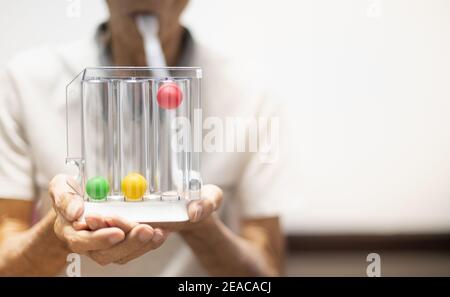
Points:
(200, 211)
(105, 240)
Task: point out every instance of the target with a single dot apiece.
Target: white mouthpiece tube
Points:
(149, 27)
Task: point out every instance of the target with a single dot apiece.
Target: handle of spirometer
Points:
(148, 26)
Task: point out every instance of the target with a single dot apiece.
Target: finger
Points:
(121, 223)
(135, 240)
(69, 205)
(211, 200)
(214, 194)
(158, 239)
(84, 241)
(95, 222)
(65, 200)
(80, 225)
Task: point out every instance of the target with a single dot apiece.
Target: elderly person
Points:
(35, 238)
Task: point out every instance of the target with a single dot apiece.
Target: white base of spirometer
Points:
(149, 211)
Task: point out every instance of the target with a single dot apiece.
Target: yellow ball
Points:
(134, 186)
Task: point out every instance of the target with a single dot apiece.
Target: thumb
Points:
(66, 196)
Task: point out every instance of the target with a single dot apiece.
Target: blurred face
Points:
(167, 11)
(147, 6)
(127, 43)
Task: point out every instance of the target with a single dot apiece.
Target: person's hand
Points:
(105, 240)
(200, 212)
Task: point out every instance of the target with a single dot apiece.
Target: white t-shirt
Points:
(33, 142)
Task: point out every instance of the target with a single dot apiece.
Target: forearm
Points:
(33, 252)
(224, 253)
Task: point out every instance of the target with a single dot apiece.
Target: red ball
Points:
(169, 95)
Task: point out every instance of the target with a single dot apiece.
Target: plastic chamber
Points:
(132, 134)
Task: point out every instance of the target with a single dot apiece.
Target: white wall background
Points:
(367, 83)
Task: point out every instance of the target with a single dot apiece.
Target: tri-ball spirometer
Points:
(120, 135)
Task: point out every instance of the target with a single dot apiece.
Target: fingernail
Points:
(157, 236)
(115, 239)
(75, 186)
(145, 235)
(78, 225)
(198, 213)
(72, 210)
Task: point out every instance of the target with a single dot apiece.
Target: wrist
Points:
(33, 252)
(203, 228)
(45, 253)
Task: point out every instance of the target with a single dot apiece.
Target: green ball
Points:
(97, 188)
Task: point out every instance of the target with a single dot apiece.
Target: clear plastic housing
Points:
(131, 131)
(135, 107)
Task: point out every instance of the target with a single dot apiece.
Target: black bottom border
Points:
(223, 286)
